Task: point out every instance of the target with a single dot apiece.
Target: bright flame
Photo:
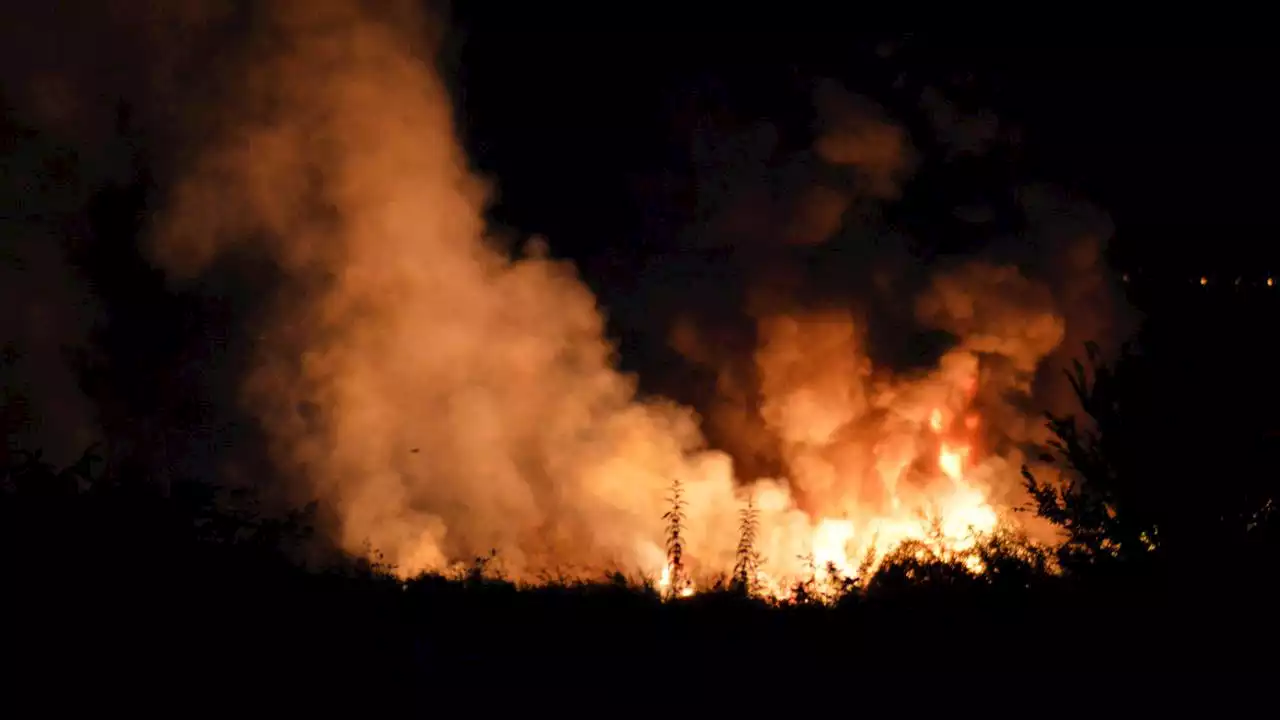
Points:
(830, 547)
(402, 327)
(951, 461)
(836, 548)
(687, 588)
(874, 461)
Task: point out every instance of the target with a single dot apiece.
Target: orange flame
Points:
(415, 331)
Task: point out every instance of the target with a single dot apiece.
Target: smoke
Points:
(882, 390)
(857, 135)
(41, 405)
(754, 196)
(68, 72)
(443, 399)
(40, 189)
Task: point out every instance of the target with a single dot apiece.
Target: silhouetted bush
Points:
(1150, 483)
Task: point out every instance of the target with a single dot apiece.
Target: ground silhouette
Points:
(124, 579)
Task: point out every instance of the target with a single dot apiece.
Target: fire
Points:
(400, 326)
(830, 542)
(836, 548)
(686, 586)
(951, 460)
(876, 460)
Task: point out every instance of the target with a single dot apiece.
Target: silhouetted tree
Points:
(1100, 502)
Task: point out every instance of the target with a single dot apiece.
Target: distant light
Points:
(1271, 282)
(1204, 280)
(1125, 277)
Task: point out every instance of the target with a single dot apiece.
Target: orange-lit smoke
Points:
(871, 456)
(445, 400)
(877, 458)
(441, 398)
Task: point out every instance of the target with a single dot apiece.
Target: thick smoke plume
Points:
(869, 446)
(443, 399)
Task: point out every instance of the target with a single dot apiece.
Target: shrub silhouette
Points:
(1148, 478)
(1099, 504)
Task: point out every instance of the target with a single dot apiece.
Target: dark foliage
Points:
(1151, 485)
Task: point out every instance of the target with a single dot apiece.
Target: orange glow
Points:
(1204, 280)
(951, 461)
(686, 589)
(340, 160)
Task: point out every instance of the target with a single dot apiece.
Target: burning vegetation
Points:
(477, 491)
(446, 400)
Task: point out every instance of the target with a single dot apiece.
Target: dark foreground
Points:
(144, 598)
